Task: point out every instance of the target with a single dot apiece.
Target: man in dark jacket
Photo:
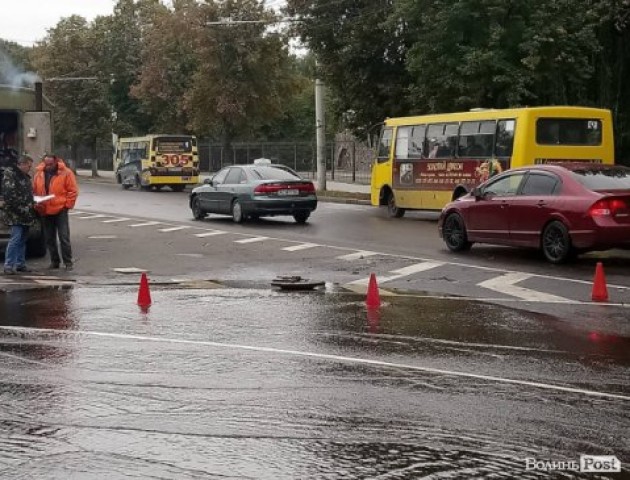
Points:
(19, 213)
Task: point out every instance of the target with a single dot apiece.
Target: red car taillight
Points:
(607, 207)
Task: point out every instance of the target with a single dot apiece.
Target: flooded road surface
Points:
(252, 383)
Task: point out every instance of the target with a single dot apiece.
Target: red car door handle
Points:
(542, 203)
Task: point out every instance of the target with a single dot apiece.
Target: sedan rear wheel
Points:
(454, 233)
(197, 211)
(301, 217)
(556, 242)
(237, 212)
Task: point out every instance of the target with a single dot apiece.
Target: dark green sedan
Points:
(253, 191)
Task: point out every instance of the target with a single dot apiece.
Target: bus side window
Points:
(505, 138)
(416, 141)
(476, 139)
(441, 140)
(402, 142)
(144, 150)
(384, 144)
(410, 142)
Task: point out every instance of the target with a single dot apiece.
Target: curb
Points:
(349, 201)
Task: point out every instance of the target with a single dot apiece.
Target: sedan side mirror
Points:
(207, 181)
(477, 193)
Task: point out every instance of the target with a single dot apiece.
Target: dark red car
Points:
(563, 209)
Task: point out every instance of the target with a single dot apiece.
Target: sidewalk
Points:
(339, 192)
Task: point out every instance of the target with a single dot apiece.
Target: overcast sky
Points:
(26, 21)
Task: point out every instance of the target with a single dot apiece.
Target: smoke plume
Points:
(14, 76)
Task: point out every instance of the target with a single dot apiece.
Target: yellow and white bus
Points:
(424, 162)
(155, 161)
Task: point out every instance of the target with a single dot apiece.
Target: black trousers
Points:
(58, 226)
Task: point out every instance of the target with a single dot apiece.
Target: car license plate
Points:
(289, 192)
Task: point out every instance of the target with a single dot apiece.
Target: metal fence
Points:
(346, 160)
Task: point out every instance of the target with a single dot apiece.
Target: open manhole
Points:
(295, 282)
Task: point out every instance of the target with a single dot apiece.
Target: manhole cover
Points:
(295, 282)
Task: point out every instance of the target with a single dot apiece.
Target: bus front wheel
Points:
(392, 209)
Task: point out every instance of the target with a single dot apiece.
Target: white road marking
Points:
(507, 284)
(323, 356)
(401, 272)
(303, 246)
(173, 229)
(76, 212)
(398, 338)
(102, 237)
(252, 240)
(210, 234)
(145, 224)
(115, 220)
(129, 270)
(357, 255)
(53, 283)
(90, 217)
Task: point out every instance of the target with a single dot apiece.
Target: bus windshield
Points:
(173, 144)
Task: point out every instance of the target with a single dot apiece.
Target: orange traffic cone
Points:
(144, 296)
(373, 299)
(600, 291)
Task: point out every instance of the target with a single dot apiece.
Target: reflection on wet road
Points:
(251, 383)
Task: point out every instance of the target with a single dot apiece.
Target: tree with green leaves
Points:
(243, 79)
(66, 60)
(168, 63)
(361, 49)
(122, 36)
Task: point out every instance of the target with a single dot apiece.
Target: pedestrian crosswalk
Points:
(392, 271)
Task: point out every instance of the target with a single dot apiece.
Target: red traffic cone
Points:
(600, 291)
(373, 299)
(144, 296)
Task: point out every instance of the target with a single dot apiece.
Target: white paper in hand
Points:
(39, 199)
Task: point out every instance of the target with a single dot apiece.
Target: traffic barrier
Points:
(600, 291)
(373, 299)
(144, 295)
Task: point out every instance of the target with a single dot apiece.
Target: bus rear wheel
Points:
(392, 209)
(178, 188)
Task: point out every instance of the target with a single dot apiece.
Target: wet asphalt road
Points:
(246, 382)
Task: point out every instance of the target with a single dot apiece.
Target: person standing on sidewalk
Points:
(19, 213)
(53, 177)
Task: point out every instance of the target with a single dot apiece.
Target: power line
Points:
(229, 22)
(69, 79)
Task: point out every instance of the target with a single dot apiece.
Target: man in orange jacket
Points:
(52, 177)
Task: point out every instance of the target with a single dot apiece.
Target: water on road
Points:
(255, 383)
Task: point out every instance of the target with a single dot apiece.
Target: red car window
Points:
(540, 184)
(604, 178)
